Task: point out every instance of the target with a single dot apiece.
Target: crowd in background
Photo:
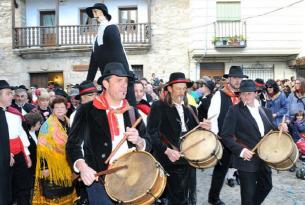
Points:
(46, 112)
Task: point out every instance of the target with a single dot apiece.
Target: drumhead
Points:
(275, 148)
(132, 183)
(203, 150)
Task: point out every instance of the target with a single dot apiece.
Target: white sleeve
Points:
(24, 138)
(74, 165)
(214, 111)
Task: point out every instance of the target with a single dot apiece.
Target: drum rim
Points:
(290, 152)
(155, 177)
(216, 137)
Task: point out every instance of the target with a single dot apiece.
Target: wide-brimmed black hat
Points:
(178, 77)
(247, 86)
(235, 71)
(4, 85)
(101, 7)
(86, 87)
(114, 68)
(61, 93)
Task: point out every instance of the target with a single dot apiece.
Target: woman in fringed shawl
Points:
(51, 154)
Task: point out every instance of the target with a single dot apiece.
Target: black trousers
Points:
(219, 174)
(255, 186)
(20, 179)
(181, 185)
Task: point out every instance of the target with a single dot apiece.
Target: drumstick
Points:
(122, 141)
(109, 171)
(281, 129)
(191, 146)
(195, 128)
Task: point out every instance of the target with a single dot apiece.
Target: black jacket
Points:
(165, 120)
(239, 131)
(110, 51)
(90, 126)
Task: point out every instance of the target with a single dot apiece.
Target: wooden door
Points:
(39, 79)
(213, 70)
(48, 32)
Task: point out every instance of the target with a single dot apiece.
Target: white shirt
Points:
(180, 110)
(33, 135)
(15, 130)
(100, 33)
(214, 109)
(258, 119)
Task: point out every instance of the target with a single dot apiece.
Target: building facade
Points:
(43, 40)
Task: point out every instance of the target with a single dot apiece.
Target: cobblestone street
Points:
(287, 190)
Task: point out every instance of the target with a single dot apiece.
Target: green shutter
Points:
(228, 11)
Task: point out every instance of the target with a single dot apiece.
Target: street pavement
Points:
(287, 189)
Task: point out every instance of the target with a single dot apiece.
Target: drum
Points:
(140, 184)
(279, 152)
(201, 149)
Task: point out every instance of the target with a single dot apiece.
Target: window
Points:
(128, 15)
(138, 71)
(87, 24)
(258, 70)
(228, 11)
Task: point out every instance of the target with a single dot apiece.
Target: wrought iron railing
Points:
(230, 34)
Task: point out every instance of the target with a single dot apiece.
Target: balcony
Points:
(230, 34)
(39, 39)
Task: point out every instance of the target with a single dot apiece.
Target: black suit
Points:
(164, 122)
(239, 131)
(90, 126)
(28, 107)
(110, 51)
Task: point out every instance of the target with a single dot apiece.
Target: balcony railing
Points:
(230, 34)
(76, 35)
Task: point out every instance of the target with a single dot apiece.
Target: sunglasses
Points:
(269, 87)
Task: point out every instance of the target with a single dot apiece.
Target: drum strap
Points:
(132, 115)
(193, 113)
(266, 118)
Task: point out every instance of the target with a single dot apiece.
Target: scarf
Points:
(101, 103)
(227, 90)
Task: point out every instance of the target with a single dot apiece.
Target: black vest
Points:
(226, 103)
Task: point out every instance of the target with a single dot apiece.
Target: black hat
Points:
(260, 84)
(247, 86)
(235, 71)
(22, 87)
(61, 92)
(4, 85)
(178, 77)
(209, 83)
(101, 7)
(114, 68)
(86, 87)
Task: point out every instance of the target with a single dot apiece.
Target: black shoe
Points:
(231, 182)
(217, 202)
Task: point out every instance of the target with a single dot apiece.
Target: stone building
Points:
(43, 40)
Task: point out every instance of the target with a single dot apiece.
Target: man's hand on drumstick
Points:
(283, 126)
(133, 136)
(247, 154)
(205, 124)
(87, 174)
(173, 155)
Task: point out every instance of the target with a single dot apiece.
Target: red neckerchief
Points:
(144, 108)
(227, 90)
(100, 102)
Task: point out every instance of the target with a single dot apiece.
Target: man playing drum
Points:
(244, 126)
(167, 122)
(99, 126)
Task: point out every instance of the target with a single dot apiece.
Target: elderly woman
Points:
(276, 101)
(296, 99)
(53, 183)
